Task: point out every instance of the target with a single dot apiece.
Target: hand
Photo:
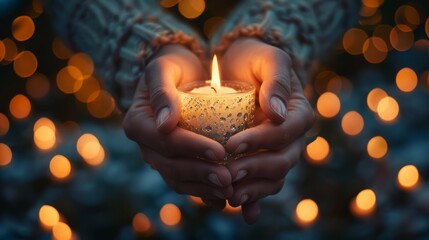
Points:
(174, 152)
(276, 141)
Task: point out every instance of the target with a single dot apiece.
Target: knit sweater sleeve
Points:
(121, 36)
(303, 28)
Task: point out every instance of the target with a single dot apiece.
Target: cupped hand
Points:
(284, 115)
(174, 152)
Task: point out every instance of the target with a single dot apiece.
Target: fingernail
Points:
(211, 155)
(240, 175)
(163, 115)
(243, 199)
(219, 194)
(278, 106)
(214, 179)
(241, 148)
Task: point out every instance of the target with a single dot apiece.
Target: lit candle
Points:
(217, 109)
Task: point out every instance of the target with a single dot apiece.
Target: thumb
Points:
(162, 76)
(275, 89)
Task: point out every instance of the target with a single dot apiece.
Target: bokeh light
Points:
(364, 204)
(23, 28)
(62, 231)
(352, 123)
(372, 3)
(406, 79)
(20, 106)
(170, 214)
(44, 134)
(402, 37)
(230, 209)
(427, 27)
(353, 40)
(2, 50)
(377, 147)
(83, 63)
(383, 31)
(37, 86)
(407, 15)
(375, 50)
(89, 91)
(408, 177)
(48, 216)
(196, 201)
(328, 105)
(306, 212)
(4, 124)
(374, 97)
(5, 155)
(69, 79)
(102, 106)
(60, 167)
(388, 109)
(25, 64)
(192, 8)
(168, 3)
(60, 50)
(11, 49)
(141, 224)
(90, 149)
(318, 150)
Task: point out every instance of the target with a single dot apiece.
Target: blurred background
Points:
(68, 172)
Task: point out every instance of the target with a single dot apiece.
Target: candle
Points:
(217, 109)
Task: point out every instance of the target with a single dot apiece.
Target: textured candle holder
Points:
(217, 116)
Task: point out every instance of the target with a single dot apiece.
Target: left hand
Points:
(276, 141)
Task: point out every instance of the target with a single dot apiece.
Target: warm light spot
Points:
(388, 109)
(372, 3)
(377, 147)
(37, 86)
(62, 231)
(427, 27)
(383, 31)
(328, 105)
(373, 19)
(48, 216)
(196, 200)
(375, 50)
(363, 204)
(44, 134)
(335, 84)
(408, 177)
(141, 224)
(60, 50)
(2, 50)
(37, 6)
(89, 91)
(20, 106)
(69, 79)
(4, 124)
(407, 15)
(60, 167)
(25, 64)
(102, 106)
(5, 155)
(374, 98)
(306, 212)
(169, 3)
(352, 123)
(192, 8)
(90, 149)
(366, 11)
(11, 49)
(212, 25)
(353, 40)
(83, 62)
(22, 28)
(170, 214)
(230, 209)
(402, 37)
(406, 80)
(318, 150)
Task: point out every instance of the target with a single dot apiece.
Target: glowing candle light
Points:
(170, 214)
(48, 216)
(318, 150)
(217, 109)
(306, 212)
(408, 177)
(364, 204)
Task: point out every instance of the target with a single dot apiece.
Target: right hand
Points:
(174, 152)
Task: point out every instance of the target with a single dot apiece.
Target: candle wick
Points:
(214, 89)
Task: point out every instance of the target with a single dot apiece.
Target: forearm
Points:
(303, 28)
(120, 35)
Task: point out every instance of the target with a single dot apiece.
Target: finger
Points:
(273, 69)
(162, 76)
(190, 170)
(218, 204)
(254, 189)
(268, 165)
(198, 189)
(251, 212)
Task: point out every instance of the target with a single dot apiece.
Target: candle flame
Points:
(215, 82)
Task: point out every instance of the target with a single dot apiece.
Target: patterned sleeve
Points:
(303, 28)
(120, 36)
